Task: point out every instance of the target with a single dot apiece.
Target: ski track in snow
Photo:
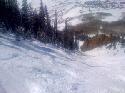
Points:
(32, 67)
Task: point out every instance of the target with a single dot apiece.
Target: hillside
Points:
(33, 67)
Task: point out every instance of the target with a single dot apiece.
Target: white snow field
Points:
(32, 67)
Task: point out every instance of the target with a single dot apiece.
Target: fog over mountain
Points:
(74, 8)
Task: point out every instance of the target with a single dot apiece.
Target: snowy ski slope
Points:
(32, 67)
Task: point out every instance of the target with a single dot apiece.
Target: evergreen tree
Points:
(30, 21)
(55, 28)
(48, 28)
(25, 17)
(36, 24)
(2, 10)
(15, 14)
(10, 14)
(42, 23)
(42, 16)
(47, 17)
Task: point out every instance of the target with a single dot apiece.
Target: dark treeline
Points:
(28, 23)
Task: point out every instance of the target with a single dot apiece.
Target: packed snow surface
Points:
(33, 67)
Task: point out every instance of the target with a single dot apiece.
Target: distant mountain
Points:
(74, 9)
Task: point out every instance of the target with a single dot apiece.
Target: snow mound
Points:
(116, 50)
(33, 67)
